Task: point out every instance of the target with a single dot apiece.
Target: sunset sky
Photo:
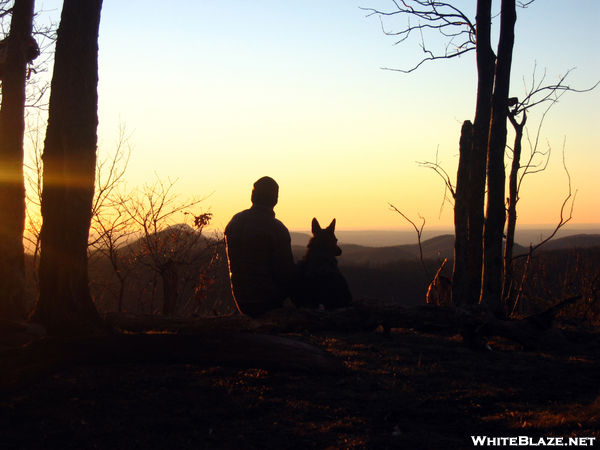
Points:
(220, 93)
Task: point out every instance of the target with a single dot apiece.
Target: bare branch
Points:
(419, 235)
(448, 186)
(535, 95)
(563, 220)
(437, 168)
(542, 94)
(432, 16)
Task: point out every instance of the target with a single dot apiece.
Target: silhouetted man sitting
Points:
(259, 253)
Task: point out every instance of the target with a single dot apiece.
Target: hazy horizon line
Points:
(528, 227)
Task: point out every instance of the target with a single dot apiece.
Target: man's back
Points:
(260, 259)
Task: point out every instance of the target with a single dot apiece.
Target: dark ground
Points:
(406, 390)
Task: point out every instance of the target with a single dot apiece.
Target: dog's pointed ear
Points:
(315, 226)
(332, 226)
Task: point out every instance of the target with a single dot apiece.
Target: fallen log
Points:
(16, 334)
(232, 340)
(533, 332)
(240, 350)
(544, 320)
(143, 323)
(362, 315)
(476, 325)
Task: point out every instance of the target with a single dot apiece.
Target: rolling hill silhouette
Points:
(439, 247)
(578, 240)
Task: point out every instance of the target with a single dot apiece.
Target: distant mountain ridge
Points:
(386, 238)
(439, 247)
(578, 240)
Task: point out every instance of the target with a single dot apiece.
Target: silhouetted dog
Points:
(320, 281)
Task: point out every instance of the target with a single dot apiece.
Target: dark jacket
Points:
(260, 259)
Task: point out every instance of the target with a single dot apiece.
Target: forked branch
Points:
(419, 235)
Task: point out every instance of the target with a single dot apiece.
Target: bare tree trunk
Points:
(513, 198)
(12, 186)
(65, 305)
(460, 279)
(121, 297)
(169, 277)
(491, 289)
(486, 60)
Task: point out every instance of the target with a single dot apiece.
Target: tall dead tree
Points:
(513, 197)
(536, 162)
(462, 199)
(493, 263)
(484, 161)
(486, 60)
(65, 305)
(12, 185)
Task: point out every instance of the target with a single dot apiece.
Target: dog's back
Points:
(321, 282)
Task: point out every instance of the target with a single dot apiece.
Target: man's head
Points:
(265, 192)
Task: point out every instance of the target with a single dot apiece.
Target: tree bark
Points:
(65, 306)
(486, 60)
(513, 198)
(491, 289)
(462, 196)
(12, 185)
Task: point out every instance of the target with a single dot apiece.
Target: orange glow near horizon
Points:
(230, 93)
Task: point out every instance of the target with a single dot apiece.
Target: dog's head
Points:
(324, 238)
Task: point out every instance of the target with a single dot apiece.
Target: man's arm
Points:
(282, 261)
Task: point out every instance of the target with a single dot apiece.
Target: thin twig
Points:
(419, 234)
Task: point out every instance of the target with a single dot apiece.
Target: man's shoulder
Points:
(280, 230)
(240, 215)
(279, 224)
(237, 218)
(257, 217)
